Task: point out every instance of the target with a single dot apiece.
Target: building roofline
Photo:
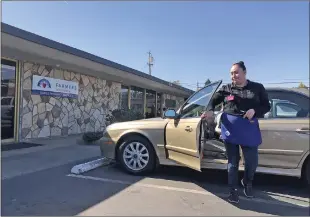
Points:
(29, 36)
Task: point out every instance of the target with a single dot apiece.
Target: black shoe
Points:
(248, 191)
(233, 196)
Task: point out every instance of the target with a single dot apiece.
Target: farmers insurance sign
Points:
(54, 87)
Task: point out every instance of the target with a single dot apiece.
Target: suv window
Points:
(287, 105)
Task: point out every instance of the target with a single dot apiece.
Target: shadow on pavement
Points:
(50, 192)
(215, 181)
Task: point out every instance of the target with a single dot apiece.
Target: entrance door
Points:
(183, 134)
(8, 93)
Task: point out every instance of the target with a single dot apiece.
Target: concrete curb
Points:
(85, 167)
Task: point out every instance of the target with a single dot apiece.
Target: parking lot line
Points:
(186, 190)
(302, 199)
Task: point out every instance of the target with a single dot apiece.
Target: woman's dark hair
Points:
(241, 65)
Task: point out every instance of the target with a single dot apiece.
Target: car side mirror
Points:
(170, 113)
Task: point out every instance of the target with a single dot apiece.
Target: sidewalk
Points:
(55, 152)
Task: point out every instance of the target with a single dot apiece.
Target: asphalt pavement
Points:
(170, 191)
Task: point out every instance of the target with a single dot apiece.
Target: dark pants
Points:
(251, 161)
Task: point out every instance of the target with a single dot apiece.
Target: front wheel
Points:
(136, 155)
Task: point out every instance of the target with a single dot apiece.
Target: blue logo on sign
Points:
(43, 83)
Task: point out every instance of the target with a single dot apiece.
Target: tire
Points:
(146, 164)
(307, 173)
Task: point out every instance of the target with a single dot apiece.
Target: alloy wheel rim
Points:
(136, 156)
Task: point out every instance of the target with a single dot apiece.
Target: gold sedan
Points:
(140, 146)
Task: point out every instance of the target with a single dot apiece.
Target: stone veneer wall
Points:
(179, 100)
(45, 116)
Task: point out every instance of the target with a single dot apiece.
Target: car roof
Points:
(302, 91)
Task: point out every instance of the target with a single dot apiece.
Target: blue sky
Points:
(190, 41)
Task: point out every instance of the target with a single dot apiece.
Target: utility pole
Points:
(150, 62)
(197, 85)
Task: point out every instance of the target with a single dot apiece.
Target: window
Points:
(6, 101)
(136, 102)
(197, 103)
(170, 103)
(287, 104)
(286, 110)
(124, 97)
(150, 104)
(158, 104)
(8, 91)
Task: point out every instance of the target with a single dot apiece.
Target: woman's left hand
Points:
(249, 114)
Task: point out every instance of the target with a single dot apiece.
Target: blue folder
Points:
(236, 129)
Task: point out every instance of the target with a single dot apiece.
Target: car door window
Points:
(287, 104)
(286, 110)
(196, 105)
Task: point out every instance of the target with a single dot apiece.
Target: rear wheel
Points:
(136, 155)
(307, 172)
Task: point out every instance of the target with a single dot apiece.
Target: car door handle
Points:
(189, 129)
(303, 130)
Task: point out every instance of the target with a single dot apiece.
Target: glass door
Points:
(159, 105)
(8, 95)
(150, 104)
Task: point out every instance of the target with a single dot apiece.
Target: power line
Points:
(270, 82)
(296, 79)
(199, 85)
(226, 81)
(144, 66)
(283, 82)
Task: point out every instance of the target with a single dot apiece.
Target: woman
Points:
(244, 101)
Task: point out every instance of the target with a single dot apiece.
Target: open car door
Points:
(183, 133)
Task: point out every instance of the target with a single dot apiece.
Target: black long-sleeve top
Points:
(238, 100)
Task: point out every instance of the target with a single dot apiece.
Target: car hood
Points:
(141, 124)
